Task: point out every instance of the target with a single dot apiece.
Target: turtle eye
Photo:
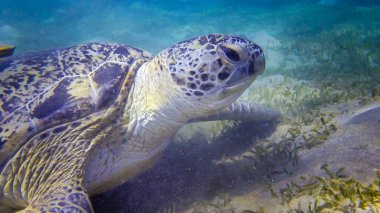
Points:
(231, 54)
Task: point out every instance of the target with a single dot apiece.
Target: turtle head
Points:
(212, 71)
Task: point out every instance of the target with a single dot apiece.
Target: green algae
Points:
(336, 192)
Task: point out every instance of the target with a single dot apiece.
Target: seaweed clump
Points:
(343, 60)
(335, 192)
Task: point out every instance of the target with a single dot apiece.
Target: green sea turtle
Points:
(76, 122)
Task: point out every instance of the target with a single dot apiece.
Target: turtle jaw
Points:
(235, 89)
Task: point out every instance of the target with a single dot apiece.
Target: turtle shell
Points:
(42, 90)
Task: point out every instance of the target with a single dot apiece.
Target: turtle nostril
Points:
(223, 76)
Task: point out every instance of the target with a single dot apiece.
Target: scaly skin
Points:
(47, 173)
(59, 168)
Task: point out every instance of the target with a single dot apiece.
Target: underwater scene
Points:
(130, 129)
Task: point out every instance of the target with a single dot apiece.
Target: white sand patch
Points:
(9, 34)
(49, 20)
(7, 31)
(274, 59)
(273, 56)
(265, 40)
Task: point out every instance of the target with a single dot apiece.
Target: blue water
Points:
(332, 36)
(153, 25)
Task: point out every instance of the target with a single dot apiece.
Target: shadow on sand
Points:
(194, 170)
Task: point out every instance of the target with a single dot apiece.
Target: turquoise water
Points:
(328, 42)
(154, 25)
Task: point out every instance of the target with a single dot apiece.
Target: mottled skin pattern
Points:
(79, 121)
(42, 90)
(199, 71)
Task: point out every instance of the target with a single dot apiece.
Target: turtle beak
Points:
(235, 89)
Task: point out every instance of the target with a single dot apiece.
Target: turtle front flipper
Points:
(67, 197)
(46, 174)
(243, 112)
